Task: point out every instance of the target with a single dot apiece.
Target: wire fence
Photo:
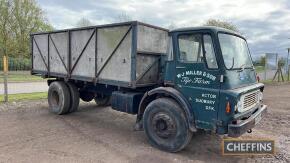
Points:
(273, 74)
(274, 68)
(17, 64)
(19, 79)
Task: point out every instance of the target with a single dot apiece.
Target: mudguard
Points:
(169, 92)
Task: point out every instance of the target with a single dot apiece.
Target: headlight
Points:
(261, 96)
(239, 106)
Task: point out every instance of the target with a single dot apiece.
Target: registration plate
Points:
(258, 119)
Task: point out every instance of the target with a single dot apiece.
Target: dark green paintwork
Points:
(208, 100)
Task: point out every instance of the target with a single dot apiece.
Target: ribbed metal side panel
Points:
(126, 54)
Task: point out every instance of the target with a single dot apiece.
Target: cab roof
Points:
(212, 28)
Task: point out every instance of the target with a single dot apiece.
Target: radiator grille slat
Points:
(250, 100)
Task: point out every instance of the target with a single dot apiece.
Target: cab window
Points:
(190, 48)
(197, 48)
(209, 52)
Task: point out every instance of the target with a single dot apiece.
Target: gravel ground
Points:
(29, 133)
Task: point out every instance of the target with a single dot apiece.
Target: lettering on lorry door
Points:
(196, 77)
(208, 100)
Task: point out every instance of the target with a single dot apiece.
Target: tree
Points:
(4, 26)
(19, 18)
(263, 61)
(223, 24)
(83, 22)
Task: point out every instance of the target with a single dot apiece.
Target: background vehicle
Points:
(175, 82)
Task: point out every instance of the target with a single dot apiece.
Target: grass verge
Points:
(274, 82)
(20, 76)
(24, 96)
(259, 69)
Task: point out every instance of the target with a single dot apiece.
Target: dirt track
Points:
(29, 133)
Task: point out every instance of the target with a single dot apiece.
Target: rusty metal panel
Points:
(83, 53)
(147, 69)
(124, 53)
(151, 39)
(58, 52)
(40, 52)
(118, 67)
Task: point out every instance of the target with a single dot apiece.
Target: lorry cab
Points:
(213, 70)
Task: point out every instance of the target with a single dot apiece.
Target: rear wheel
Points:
(58, 97)
(102, 100)
(165, 125)
(74, 97)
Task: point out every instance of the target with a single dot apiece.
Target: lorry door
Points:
(198, 76)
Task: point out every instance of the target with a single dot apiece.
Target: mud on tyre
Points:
(74, 97)
(165, 125)
(58, 97)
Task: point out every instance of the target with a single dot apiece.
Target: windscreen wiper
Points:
(233, 64)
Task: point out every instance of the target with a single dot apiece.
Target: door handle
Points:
(180, 67)
(222, 78)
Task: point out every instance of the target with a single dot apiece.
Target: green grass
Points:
(269, 81)
(20, 76)
(259, 69)
(25, 96)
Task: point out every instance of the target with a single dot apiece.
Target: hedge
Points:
(17, 64)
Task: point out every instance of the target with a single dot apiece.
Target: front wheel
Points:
(165, 125)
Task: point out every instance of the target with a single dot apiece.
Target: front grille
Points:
(250, 100)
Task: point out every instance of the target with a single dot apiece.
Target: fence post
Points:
(5, 68)
(288, 72)
(288, 50)
(265, 68)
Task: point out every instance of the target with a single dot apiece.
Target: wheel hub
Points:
(163, 125)
(55, 98)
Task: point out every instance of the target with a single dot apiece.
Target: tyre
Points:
(74, 97)
(58, 97)
(165, 125)
(102, 100)
(86, 96)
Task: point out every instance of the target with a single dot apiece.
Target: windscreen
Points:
(235, 52)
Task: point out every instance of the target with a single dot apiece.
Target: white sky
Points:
(265, 23)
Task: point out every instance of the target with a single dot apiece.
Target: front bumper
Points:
(236, 130)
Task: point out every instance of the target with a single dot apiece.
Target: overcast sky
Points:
(265, 23)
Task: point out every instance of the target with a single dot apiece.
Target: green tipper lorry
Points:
(175, 82)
